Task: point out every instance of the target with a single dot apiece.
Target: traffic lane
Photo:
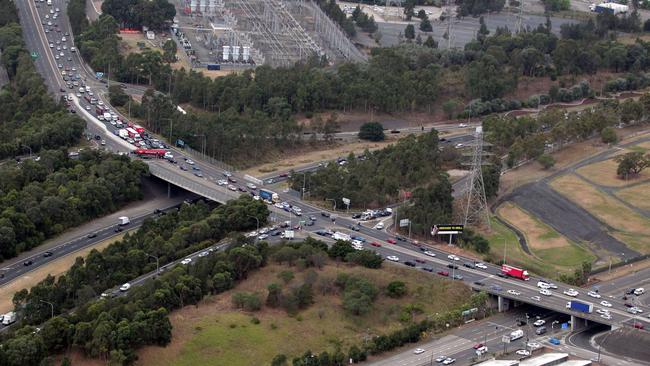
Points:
(17, 269)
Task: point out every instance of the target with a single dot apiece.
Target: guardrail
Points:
(208, 159)
(214, 193)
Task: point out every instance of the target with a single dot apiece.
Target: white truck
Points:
(107, 116)
(9, 318)
(123, 133)
(516, 334)
(288, 234)
(341, 236)
(123, 220)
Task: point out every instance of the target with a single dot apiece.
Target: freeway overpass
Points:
(37, 39)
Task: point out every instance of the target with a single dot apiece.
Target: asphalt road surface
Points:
(464, 30)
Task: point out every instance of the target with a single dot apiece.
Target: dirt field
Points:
(634, 227)
(213, 333)
(55, 268)
(297, 160)
(638, 196)
(604, 173)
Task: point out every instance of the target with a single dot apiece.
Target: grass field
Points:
(546, 244)
(638, 196)
(213, 333)
(632, 226)
(604, 173)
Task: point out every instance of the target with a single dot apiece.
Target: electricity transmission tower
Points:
(520, 15)
(477, 209)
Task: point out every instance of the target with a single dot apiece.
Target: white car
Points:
(448, 361)
(263, 236)
(418, 351)
(545, 292)
(379, 226)
(539, 323)
(602, 311)
(186, 261)
(636, 310)
(357, 243)
(441, 358)
(203, 254)
(514, 293)
(189, 162)
(393, 258)
(232, 188)
(125, 287)
(222, 182)
(480, 265)
(594, 294)
(571, 292)
(453, 257)
(534, 345)
(251, 186)
(523, 352)
(606, 316)
(429, 253)
(536, 298)
(462, 125)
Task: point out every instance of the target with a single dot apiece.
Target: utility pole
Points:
(476, 208)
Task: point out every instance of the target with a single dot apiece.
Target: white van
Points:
(516, 334)
(9, 318)
(543, 285)
(640, 291)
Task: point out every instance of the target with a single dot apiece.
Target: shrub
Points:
(247, 301)
(396, 289)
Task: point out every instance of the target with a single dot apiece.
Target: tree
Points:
(430, 42)
(409, 9)
(631, 164)
(482, 31)
(286, 276)
(366, 258)
(117, 96)
(169, 51)
(274, 298)
(372, 131)
(425, 25)
(450, 107)
(409, 32)
(546, 161)
(422, 14)
(279, 360)
(608, 135)
(340, 249)
(356, 302)
(396, 289)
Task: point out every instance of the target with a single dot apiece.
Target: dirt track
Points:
(566, 217)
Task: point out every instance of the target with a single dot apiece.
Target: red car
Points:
(478, 345)
(419, 260)
(375, 244)
(638, 326)
(392, 241)
(443, 273)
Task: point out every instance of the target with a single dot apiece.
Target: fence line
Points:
(200, 156)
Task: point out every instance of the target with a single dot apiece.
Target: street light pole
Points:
(51, 307)
(157, 263)
(258, 227)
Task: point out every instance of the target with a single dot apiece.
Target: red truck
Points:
(139, 129)
(99, 111)
(157, 153)
(87, 98)
(515, 272)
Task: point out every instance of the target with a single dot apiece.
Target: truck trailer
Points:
(612, 8)
(582, 307)
(341, 236)
(269, 196)
(515, 272)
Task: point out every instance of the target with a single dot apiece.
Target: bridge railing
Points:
(204, 189)
(209, 159)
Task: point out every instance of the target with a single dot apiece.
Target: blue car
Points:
(359, 238)
(554, 341)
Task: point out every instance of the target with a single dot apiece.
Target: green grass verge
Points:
(229, 337)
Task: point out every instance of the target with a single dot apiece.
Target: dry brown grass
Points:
(604, 173)
(538, 234)
(600, 204)
(54, 268)
(638, 196)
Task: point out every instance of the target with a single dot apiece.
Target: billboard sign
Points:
(446, 229)
(404, 222)
(346, 201)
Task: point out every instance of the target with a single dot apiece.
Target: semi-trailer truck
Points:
(582, 307)
(269, 196)
(515, 272)
(612, 8)
(341, 236)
